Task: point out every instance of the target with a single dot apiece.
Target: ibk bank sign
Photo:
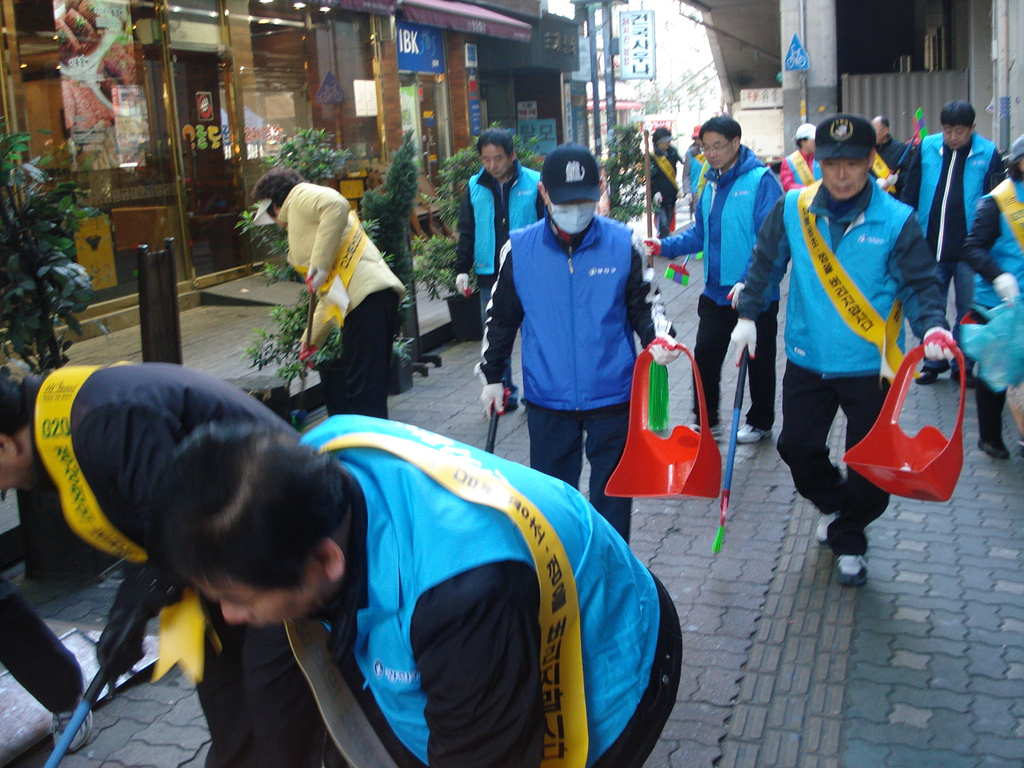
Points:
(420, 48)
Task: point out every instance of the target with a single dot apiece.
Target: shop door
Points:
(212, 199)
(425, 113)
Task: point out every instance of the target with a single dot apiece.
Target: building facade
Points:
(165, 112)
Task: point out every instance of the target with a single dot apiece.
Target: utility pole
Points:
(595, 77)
(609, 69)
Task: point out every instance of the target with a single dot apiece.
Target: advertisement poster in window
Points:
(94, 40)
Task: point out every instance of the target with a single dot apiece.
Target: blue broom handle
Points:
(737, 406)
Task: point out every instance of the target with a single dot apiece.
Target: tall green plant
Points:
(390, 207)
(41, 286)
(313, 154)
(624, 169)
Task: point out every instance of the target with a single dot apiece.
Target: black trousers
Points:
(665, 212)
(711, 347)
(638, 739)
(259, 708)
(809, 405)
(34, 656)
(365, 361)
(556, 449)
(990, 413)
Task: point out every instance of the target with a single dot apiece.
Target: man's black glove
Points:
(140, 597)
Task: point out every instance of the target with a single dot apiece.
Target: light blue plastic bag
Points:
(998, 345)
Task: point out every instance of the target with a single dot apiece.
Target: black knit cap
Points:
(843, 135)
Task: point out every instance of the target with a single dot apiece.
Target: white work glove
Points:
(1006, 287)
(939, 344)
(665, 349)
(734, 294)
(652, 246)
(462, 284)
(658, 198)
(888, 181)
(315, 279)
(744, 336)
(493, 397)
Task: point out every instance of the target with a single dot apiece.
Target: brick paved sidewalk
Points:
(922, 667)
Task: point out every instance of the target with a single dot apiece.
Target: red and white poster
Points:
(103, 113)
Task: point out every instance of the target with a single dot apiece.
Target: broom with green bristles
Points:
(657, 393)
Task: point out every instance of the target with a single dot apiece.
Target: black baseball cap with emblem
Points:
(570, 173)
(849, 136)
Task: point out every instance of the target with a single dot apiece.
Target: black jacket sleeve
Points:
(643, 298)
(503, 321)
(984, 233)
(912, 180)
(476, 641)
(994, 174)
(913, 267)
(467, 236)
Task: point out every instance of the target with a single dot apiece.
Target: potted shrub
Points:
(435, 273)
(42, 289)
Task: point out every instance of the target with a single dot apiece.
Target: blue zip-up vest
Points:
(736, 225)
(1008, 256)
(815, 169)
(522, 211)
(577, 341)
(974, 175)
(419, 535)
(817, 337)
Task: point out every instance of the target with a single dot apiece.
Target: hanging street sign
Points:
(796, 57)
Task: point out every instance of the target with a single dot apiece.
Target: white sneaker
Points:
(851, 570)
(61, 720)
(749, 434)
(717, 431)
(821, 533)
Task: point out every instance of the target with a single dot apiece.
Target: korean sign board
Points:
(761, 98)
(636, 49)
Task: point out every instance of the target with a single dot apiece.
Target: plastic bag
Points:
(998, 345)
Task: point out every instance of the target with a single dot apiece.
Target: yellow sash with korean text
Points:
(334, 292)
(181, 625)
(1005, 195)
(803, 170)
(566, 739)
(882, 171)
(858, 313)
(666, 168)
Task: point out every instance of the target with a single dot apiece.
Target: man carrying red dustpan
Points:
(859, 261)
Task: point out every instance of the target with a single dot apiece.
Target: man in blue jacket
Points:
(449, 607)
(944, 182)
(857, 257)
(740, 191)
(577, 284)
(501, 197)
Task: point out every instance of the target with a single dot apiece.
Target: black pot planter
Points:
(400, 376)
(465, 314)
(52, 550)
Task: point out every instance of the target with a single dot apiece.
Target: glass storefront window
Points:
(87, 85)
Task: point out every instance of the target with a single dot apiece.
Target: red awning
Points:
(466, 18)
(383, 7)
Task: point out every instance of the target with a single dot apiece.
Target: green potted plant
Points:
(624, 169)
(435, 273)
(42, 289)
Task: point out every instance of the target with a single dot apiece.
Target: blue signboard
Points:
(475, 117)
(420, 47)
(796, 57)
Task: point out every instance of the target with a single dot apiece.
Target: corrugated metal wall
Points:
(898, 96)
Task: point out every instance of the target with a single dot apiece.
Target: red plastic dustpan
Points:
(924, 467)
(686, 463)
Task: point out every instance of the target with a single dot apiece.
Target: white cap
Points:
(805, 131)
(262, 217)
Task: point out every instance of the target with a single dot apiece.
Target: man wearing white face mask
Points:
(576, 284)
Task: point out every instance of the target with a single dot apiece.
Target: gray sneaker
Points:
(851, 570)
(61, 720)
(717, 431)
(749, 434)
(821, 532)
